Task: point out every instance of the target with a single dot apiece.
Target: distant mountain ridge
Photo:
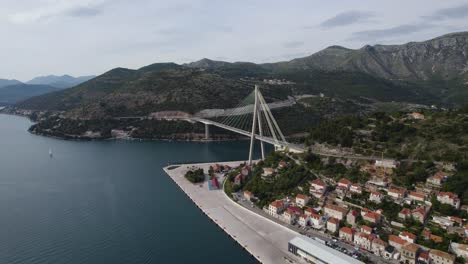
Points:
(18, 92)
(64, 81)
(444, 57)
(429, 72)
(5, 82)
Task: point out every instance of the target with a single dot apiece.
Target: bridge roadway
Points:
(290, 146)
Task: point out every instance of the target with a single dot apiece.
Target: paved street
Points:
(310, 232)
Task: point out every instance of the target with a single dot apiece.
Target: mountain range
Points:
(13, 91)
(429, 72)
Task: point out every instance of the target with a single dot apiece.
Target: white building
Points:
(449, 198)
(302, 200)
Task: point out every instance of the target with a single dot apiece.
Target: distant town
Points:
(370, 218)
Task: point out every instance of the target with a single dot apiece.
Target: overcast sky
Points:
(84, 37)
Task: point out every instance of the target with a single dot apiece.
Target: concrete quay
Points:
(264, 239)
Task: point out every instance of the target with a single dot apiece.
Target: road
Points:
(310, 232)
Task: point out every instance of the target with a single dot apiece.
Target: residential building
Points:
(282, 164)
(423, 257)
(410, 237)
(440, 257)
(316, 220)
(372, 217)
(336, 211)
(351, 217)
(238, 179)
(346, 234)
(396, 193)
(344, 183)
(409, 253)
(304, 220)
(308, 211)
(405, 213)
(461, 250)
(378, 246)
(396, 242)
(276, 207)
(302, 200)
(419, 214)
(313, 251)
(416, 196)
(389, 252)
(449, 198)
(376, 197)
(317, 188)
(456, 220)
(437, 179)
(267, 173)
(442, 221)
(245, 171)
(289, 216)
(333, 224)
(416, 115)
(355, 188)
(248, 195)
(388, 163)
(341, 191)
(366, 229)
(363, 240)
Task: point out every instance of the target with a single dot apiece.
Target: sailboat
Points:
(50, 153)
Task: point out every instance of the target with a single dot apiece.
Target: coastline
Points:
(264, 239)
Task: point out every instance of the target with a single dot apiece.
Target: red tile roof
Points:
(372, 215)
(442, 254)
(346, 230)
(277, 204)
(419, 195)
(405, 211)
(344, 181)
(318, 182)
(396, 239)
(408, 234)
(333, 220)
(448, 194)
(366, 228)
(301, 196)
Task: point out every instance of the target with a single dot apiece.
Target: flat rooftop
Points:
(321, 251)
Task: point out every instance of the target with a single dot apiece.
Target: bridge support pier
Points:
(207, 131)
(254, 126)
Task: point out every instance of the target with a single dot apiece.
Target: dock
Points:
(264, 239)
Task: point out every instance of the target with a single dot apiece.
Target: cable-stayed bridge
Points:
(252, 118)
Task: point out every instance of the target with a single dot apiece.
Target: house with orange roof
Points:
(410, 237)
(440, 257)
(416, 196)
(304, 220)
(289, 216)
(248, 195)
(378, 246)
(396, 193)
(366, 229)
(317, 188)
(308, 211)
(346, 234)
(461, 250)
(437, 179)
(405, 213)
(355, 188)
(419, 214)
(364, 240)
(372, 217)
(416, 115)
(276, 207)
(396, 242)
(449, 198)
(376, 197)
(316, 220)
(409, 253)
(302, 199)
(345, 183)
(333, 224)
(335, 211)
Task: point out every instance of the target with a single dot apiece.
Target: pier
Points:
(264, 239)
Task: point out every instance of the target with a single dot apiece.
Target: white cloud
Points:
(53, 9)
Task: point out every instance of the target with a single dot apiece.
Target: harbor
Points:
(264, 239)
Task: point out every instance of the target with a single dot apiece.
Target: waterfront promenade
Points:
(266, 240)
